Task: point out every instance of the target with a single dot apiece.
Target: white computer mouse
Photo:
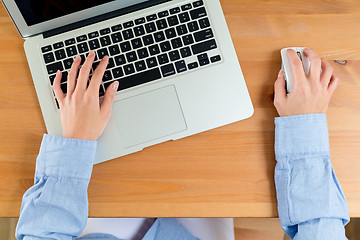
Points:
(286, 67)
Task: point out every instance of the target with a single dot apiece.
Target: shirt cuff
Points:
(301, 134)
(65, 157)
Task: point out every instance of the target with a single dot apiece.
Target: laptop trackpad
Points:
(149, 116)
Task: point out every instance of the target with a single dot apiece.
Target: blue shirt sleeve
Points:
(56, 206)
(311, 202)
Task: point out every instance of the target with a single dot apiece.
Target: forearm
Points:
(307, 189)
(56, 207)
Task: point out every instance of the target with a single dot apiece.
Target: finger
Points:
(315, 63)
(109, 99)
(279, 88)
(98, 75)
(84, 72)
(297, 68)
(326, 74)
(334, 82)
(71, 82)
(57, 89)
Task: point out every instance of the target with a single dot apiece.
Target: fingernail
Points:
(281, 73)
(105, 58)
(58, 73)
(91, 53)
(115, 87)
(77, 58)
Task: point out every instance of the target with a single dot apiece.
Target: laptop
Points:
(177, 69)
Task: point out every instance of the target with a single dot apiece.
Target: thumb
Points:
(279, 87)
(107, 103)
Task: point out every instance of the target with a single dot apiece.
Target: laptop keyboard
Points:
(143, 50)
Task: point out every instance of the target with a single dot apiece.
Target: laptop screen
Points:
(38, 11)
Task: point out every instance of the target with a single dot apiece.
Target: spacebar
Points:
(140, 78)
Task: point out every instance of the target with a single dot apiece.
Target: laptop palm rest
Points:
(149, 116)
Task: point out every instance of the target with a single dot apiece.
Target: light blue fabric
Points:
(311, 202)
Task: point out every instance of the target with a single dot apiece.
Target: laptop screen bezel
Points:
(27, 31)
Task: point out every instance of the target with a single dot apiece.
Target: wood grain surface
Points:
(225, 172)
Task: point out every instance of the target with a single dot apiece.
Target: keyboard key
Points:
(159, 36)
(52, 78)
(150, 27)
(203, 59)
(82, 47)
(140, 65)
(128, 24)
(181, 30)
(127, 34)
(114, 50)
(161, 24)
(46, 49)
(116, 28)
(111, 63)
(116, 37)
(154, 49)
(68, 62)
(81, 38)
(163, 14)
(117, 72)
(120, 60)
(193, 65)
(107, 76)
(64, 87)
(165, 46)
(140, 21)
(204, 23)
(102, 53)
(151, 62)
(142, 53)
(188, 39)
(170, 33)
(95, 65)
(70, 41)
(172, 21)
(198, 13)
(174, 10)
(125, 46)
(64, 77)
(136, 43)
(162, 59)
(137, 79)
(174, 55)
(129, 69)
(184, 17)
(193, 26)
(105, 41)
(101, 91)
(58, 45)
(94, 44)
(176, 43)
(185, 52)
(203, 35)
(148, 40)
(180, 66)
(60, 54)
(83, 58)
(93, 35)
(71, 51)
(139, 31)
(186, 7)
(49, 57)
(168, 70)
(151, 17)
(204, 46)
(131, 56)
(198, 3)
(52, 68)
(216, 58)
(104, 31)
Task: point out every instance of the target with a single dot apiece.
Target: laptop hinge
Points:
(102, 17)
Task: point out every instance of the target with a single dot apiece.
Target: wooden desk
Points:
(226, 172)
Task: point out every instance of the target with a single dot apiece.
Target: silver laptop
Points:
(174, 60)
